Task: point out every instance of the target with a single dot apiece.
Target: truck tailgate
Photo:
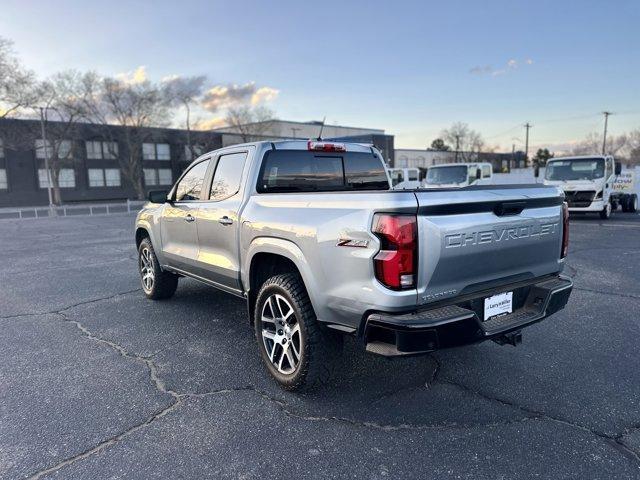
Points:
(486, 237)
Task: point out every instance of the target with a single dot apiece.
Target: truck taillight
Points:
(396, 262)
(326, 146)
(565, 230)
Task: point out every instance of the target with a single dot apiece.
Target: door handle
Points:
(225, 221)
(189, 218)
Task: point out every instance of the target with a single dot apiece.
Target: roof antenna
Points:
(321, 128)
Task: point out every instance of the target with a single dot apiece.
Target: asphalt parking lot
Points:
(98, 382)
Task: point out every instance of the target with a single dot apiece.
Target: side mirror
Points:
(618, 168)
(478, 174)
(536, 171)
(158, 196)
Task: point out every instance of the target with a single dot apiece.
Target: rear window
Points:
(305, 171)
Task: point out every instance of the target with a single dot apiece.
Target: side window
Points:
(413, 175)
(486, 171)
(190, 186)
(226, 179)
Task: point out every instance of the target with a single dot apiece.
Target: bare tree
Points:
(633, 147)
(135, 105)
(185, 93)
(17, 84)
(467, 142)
(592, 145)
(251, 123)
(64, 108)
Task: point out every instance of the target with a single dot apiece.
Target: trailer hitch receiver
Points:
(511, 338)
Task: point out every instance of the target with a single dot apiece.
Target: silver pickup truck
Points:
(314, 239)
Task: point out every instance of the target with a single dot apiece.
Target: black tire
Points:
(625, 204)
(317, 346)
(163, 284)
(605, 214)
(632, 203)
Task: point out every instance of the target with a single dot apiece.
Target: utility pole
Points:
(457, 147)
(46, 157)
(604, 139)
(527, 126)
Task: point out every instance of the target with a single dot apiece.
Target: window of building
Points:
(97, 150)
(156, 151)
(157, 176)
(226, 179)
(63, 149)
(66, 178)
(3, 179)
(104, 177)
(192, 152)
(94, 150)
(190, 186)
(1, 149)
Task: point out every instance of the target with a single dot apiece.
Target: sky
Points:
(411, 68)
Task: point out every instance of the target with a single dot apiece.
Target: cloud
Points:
(512, 64)
(139, 75)
(232, 95)
(210, 124)
(481, 70)
(264, 94)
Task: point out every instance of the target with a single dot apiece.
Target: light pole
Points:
(604, 139)
(46, 156)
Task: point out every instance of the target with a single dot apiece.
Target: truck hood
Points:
(575, 185)
(444, 185)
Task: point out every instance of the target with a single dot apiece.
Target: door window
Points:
(226, 179)
(190, 186)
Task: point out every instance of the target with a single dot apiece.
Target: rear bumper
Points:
(461, 324)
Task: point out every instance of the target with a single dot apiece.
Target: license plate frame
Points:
(498, 305)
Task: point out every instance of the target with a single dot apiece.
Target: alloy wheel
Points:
(281, 334)
(146, 269)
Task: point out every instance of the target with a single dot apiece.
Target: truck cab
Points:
(587, 182)
(458, 175)
(404, 178)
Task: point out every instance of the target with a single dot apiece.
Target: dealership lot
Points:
(97, 381)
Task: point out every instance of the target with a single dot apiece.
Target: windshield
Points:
(579, 169)
(441, 175)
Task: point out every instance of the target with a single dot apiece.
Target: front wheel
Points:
(296, 350)
(156, 283)
(605, 214)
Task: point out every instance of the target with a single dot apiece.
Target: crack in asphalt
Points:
(614, 294)
(615, 441)
(177, 399)
(69, 307)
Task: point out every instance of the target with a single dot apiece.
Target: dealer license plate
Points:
(497, 305)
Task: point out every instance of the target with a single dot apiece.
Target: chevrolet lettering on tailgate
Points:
(499, 234)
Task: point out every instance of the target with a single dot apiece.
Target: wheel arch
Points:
(272, 256)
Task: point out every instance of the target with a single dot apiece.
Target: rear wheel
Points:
(297, 351)
(632, 203)
(605, 214)
(156, 283)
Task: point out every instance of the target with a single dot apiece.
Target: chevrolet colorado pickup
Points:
(311, 235)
